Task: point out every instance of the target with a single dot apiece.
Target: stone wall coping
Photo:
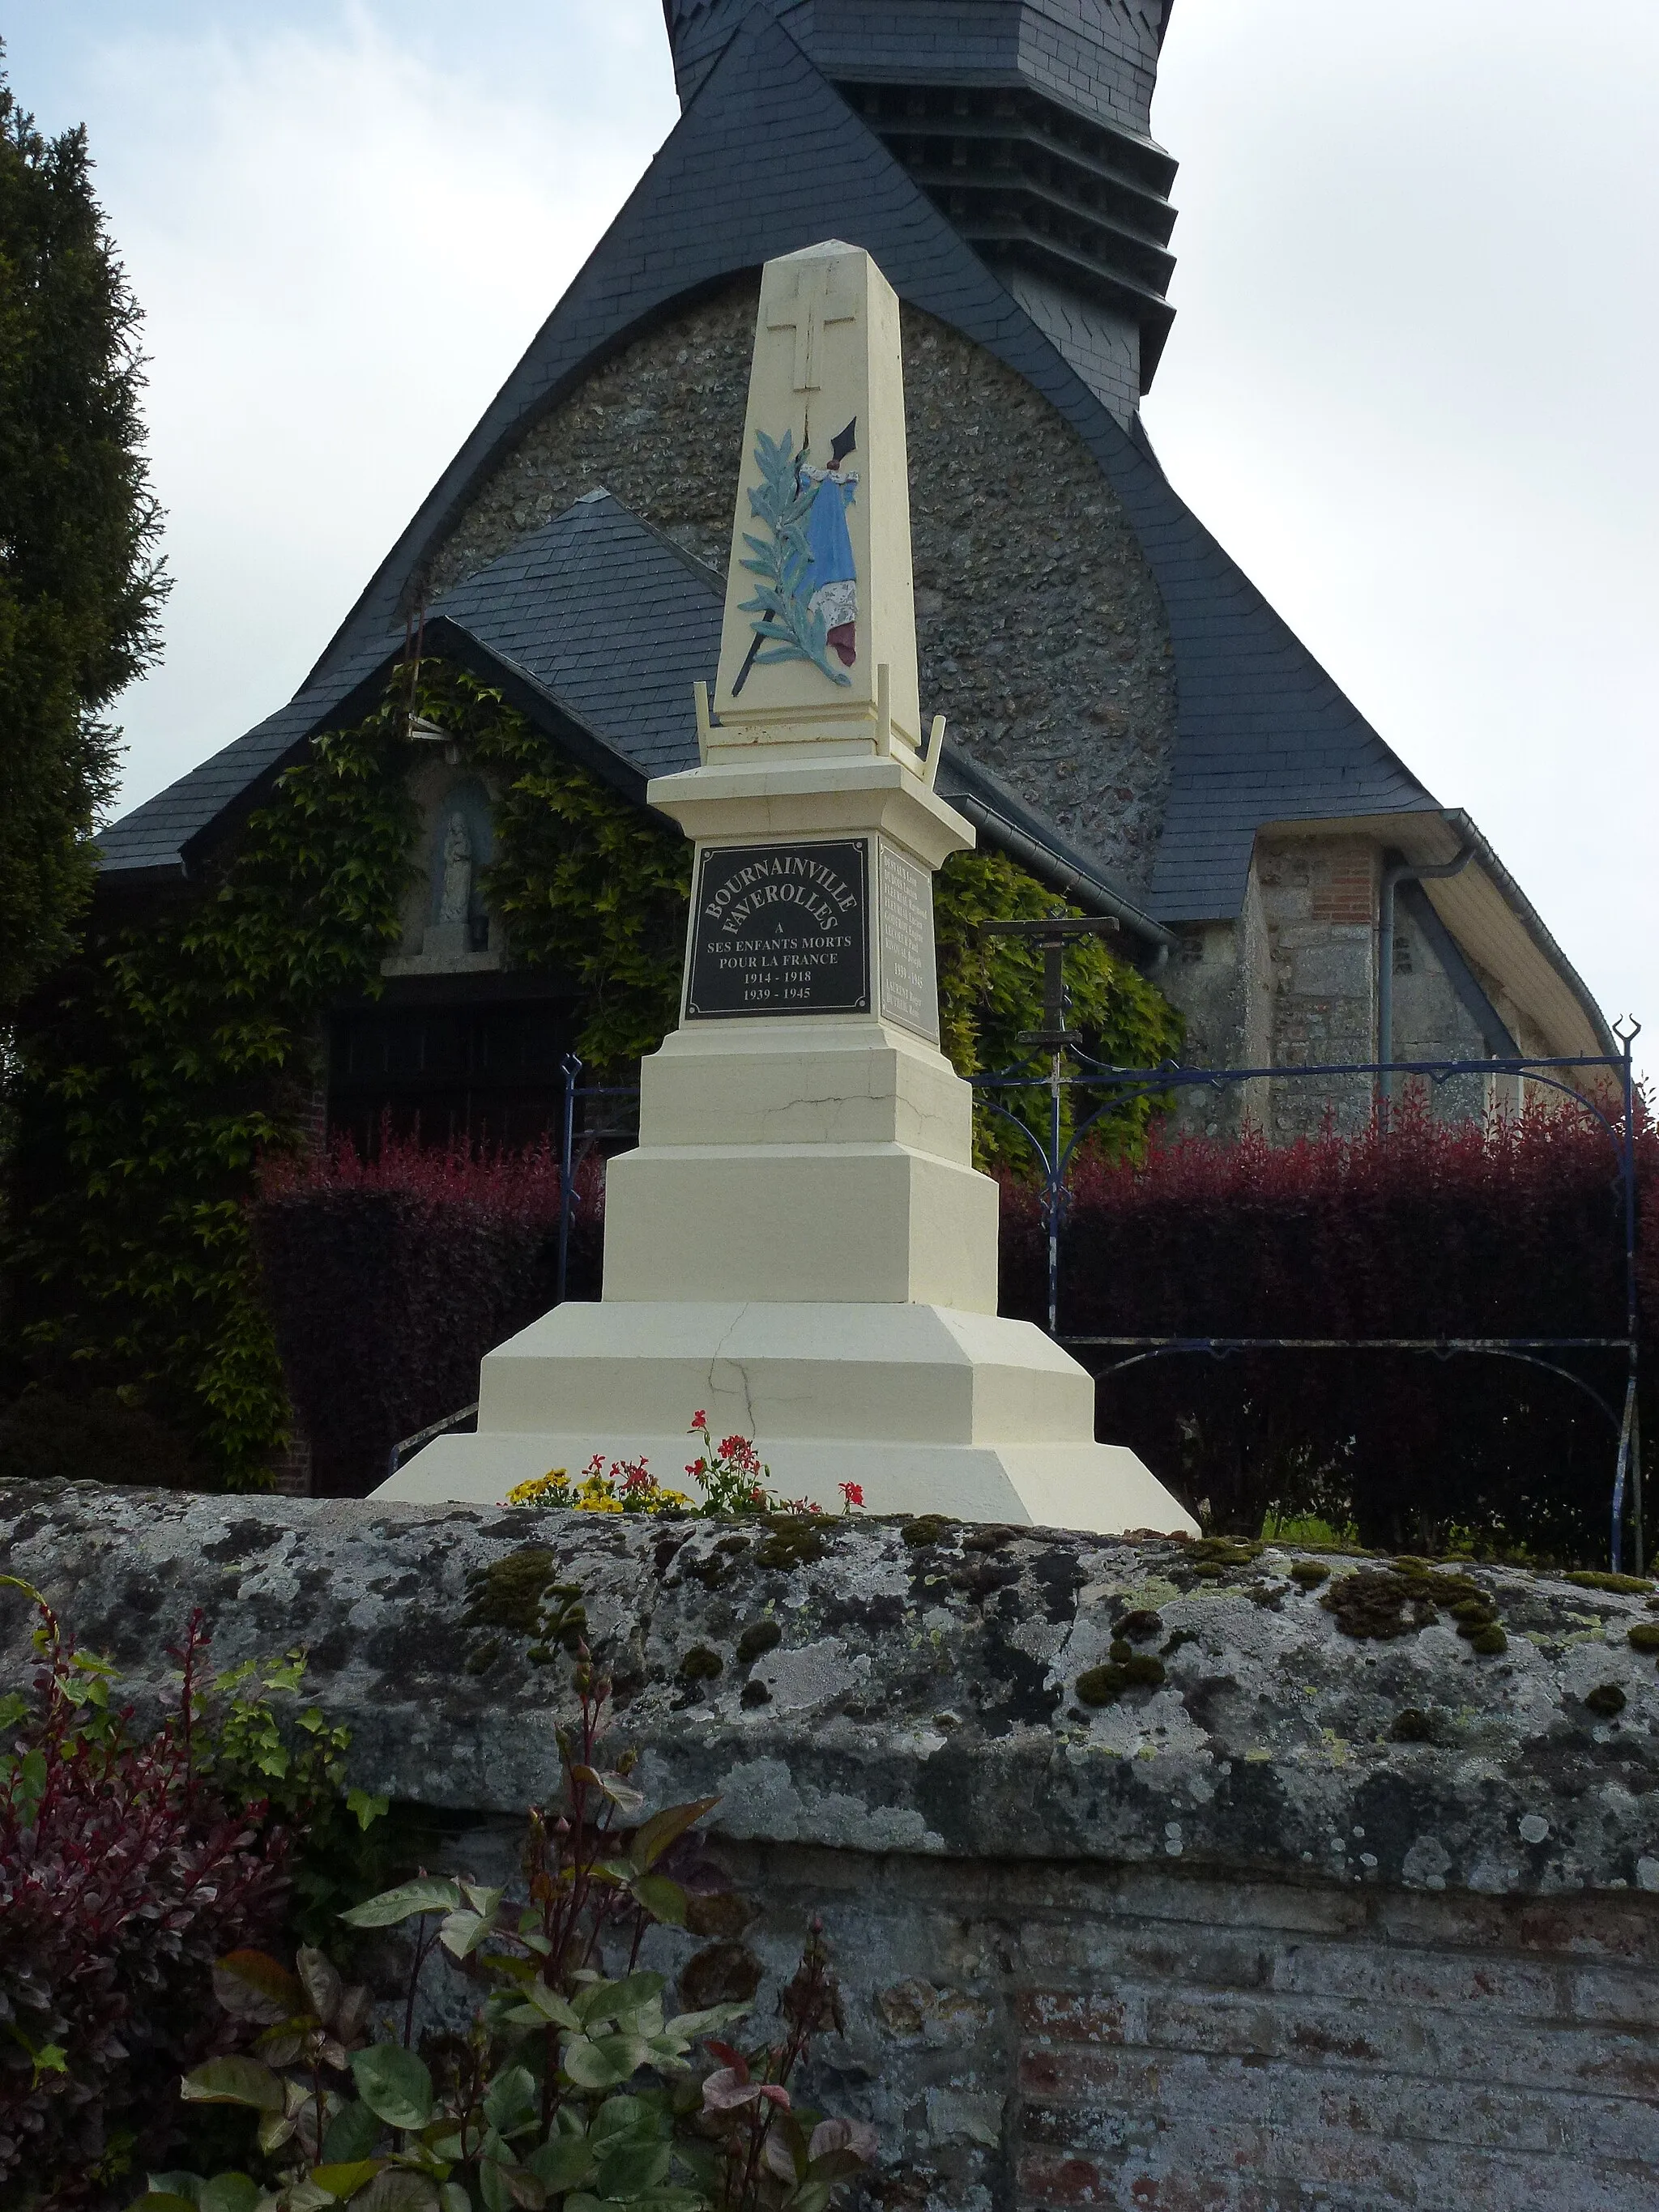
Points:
(842, 1683)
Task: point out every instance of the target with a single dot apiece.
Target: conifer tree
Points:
(80, 583)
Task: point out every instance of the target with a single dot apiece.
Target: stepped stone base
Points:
(929, 1409)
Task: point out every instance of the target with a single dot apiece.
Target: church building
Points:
(1127, 717)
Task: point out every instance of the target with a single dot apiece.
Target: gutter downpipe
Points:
(1394, 873)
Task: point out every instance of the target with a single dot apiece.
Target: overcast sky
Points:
(1410, 386)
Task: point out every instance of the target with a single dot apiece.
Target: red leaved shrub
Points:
(1435, 1229)
(387, 1280)
(124, 1874)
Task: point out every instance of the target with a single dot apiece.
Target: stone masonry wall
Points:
(1221, 977)
(1041, 631)
(1320, 899)
(1431, 1021)
(1283, 1916)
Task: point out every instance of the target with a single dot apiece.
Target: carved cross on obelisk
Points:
(815, 299)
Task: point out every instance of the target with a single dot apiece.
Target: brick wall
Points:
(1342, 884)
(291, 1468)
(1044, 2037)
(1039, 2038)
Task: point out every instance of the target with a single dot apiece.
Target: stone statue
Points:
(455, 899)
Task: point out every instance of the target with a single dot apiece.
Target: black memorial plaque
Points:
(781, 929)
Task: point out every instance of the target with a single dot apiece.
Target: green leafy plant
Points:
(164, 1063)
(786, 626)
(570, 2085)
(591, 886)
(130, 1856)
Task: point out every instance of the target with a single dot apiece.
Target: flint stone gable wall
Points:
(1227, 1943)
(1041, 631)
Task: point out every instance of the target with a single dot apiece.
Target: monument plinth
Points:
(800, 1245)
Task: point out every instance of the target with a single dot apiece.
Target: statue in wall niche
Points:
(455, 896)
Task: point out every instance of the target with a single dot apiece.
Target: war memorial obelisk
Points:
(800, 1245)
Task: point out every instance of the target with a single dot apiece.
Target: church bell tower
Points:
(1027, 122)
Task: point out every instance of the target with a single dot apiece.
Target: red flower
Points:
(699, 1421)
(851, 1494)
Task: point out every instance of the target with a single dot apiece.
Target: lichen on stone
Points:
(1268, 1732)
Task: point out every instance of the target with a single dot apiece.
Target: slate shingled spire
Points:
(1027, 122)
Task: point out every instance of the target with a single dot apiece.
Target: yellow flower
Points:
(597, 1494)
(550, 1489)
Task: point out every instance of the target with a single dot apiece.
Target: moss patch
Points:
(508, 1593)
(795, 1540)
(1621, 1585)
(1410, 1725)
(1379, 1603)
(925, 1529)
(1104, 1686)
(759, 1636)
(1213, 1558)
(1607, 1699)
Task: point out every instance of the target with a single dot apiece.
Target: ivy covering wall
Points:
(184, 1044)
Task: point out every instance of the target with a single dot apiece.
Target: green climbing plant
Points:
(180, 1050)
(174, 1054)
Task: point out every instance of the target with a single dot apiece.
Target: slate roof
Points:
(609, 622)
(766, 159)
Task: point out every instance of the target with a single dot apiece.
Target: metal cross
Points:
(816, 300)
(1053, 936)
